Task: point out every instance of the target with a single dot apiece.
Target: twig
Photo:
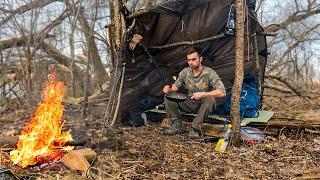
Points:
(132, 162)
(132, 25)
(277, 88)
(312, 131)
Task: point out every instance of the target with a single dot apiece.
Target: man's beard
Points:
(194, 67)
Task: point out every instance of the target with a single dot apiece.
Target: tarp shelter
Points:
(186, 21)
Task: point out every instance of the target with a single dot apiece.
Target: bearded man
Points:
(203, 86)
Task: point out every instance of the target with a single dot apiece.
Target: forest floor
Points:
(145, 153)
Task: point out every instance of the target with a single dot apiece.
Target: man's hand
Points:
(198, 95)
(166, 89)
(136, 39)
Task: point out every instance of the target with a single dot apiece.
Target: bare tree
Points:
(43, 38)
(293, 49)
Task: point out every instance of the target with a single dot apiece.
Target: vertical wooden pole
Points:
(117, 23)
(238, 79)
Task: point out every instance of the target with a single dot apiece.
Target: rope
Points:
(219, 36)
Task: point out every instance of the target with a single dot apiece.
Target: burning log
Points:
(75, 143)
(11, 142)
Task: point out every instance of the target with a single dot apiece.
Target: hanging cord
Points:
(211, 38)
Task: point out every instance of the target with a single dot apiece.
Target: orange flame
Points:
(42, 139)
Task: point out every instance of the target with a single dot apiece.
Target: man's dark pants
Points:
(203, 108)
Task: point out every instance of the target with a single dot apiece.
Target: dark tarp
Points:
(183, 20)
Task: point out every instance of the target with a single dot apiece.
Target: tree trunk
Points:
(28, 79)
(98, 68)
(86, 90)
(238, 79)
(3, 80)
(71, 42)
(111, 36)
(117, 23)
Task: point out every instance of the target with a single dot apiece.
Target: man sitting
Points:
(203, 85)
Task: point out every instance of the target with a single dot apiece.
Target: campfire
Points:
(42, 139)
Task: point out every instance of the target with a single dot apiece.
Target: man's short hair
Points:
(193, 50)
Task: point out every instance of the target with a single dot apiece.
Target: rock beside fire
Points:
(74, 161)
(79, 159)
(87, 153)
(8, 141)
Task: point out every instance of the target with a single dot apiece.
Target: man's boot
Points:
(176, 128)
(194, 133)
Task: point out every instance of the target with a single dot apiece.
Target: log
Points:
(11, 142)
(289, 124)
(72, 143)
(271, 131)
